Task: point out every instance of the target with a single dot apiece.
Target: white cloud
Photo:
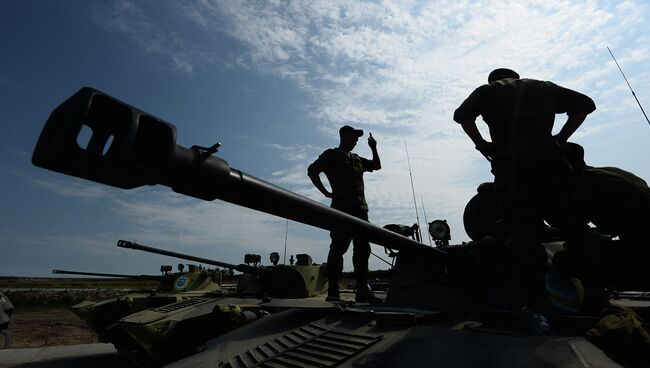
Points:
(216, 230)
(159, 217)
(156, 35)
(294, 152)
(401, 68)
(395, 64)
(69, 188)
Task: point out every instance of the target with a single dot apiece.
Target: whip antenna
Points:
(417, 216)
(628, 84)
(286, 234)
(426, 221)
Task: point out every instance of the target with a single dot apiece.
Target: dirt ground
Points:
(49, 327)
(43, 317)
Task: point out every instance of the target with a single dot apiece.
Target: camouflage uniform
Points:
(531, 174)
(344, 170)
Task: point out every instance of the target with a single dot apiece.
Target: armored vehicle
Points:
(304, 279)
(446, 306)
(190, 307)
(102, 316)
(156, 336)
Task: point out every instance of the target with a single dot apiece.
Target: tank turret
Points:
(304, 279)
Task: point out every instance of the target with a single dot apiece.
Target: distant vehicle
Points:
(102, 316)
(174, 331)
(6, 317)
(189, 307)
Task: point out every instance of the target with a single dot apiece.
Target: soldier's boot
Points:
(364, 293)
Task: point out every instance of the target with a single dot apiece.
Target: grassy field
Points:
(42, 314)
(74, 283)
(36, 294)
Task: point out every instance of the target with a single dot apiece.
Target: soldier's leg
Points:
(361, 253)
(564, 205)
(524, 241)
(360, 256)
(338, 247)
(526, 220)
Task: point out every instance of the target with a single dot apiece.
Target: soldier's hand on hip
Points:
(486, 148)
(372, 142)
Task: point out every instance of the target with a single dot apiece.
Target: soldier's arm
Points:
(572, 124)
(470, 128)
(313, 171)
(577, 106)
(376, 162)
(466, 115)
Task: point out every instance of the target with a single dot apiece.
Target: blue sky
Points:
(272, 81)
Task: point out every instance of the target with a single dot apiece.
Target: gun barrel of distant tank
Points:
(117, 275)
(144, 248)
(129, 148)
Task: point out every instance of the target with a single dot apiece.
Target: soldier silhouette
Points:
(344, 171)
(531, 174)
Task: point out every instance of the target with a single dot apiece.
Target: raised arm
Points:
(376, 162)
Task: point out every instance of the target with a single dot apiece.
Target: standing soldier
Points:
(344, 171)
(531, 175)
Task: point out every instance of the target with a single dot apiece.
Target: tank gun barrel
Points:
(117, 275)
(130, 148)
(144, 248)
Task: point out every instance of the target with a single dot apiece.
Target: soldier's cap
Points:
(502, 73)
(346, 129)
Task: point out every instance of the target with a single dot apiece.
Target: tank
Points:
(189, 307)
(446, 306)
(300, 280)
(101, 316)
(155, 336)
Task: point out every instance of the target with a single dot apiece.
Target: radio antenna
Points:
(286, 234)
(426, 221)
(417, 216)
(628, 84)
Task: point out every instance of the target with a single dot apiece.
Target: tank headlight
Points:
(275, 258)
(439, 230)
